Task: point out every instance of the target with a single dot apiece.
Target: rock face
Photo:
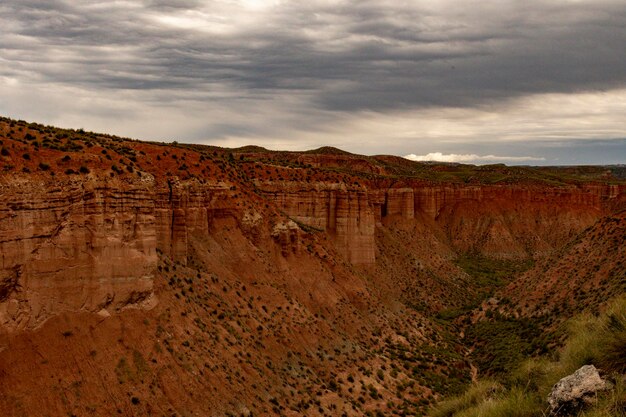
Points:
(83, 247)
(182, 209)
(287, 235)
(503, 221)
(346, 215)
(574, 391)
(80, 233)
(92, 245)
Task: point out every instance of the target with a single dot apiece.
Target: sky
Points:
(533, 82)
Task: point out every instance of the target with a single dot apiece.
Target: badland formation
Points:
(141, 278)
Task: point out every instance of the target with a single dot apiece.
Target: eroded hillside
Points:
(593, 264)
(165, 279)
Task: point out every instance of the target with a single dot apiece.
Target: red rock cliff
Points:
(88, 245)
(347, 215)
(506, 221)
(83, 217)
(92, 245)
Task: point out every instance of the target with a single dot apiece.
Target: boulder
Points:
(576, 390)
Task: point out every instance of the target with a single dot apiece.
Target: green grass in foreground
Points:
(600, 341)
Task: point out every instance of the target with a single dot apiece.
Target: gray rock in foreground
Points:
(574, 391)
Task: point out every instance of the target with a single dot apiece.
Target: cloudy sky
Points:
(514, 81)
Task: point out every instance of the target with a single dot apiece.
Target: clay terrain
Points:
(166, 279)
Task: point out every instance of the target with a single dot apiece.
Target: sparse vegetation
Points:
(502, 343)
(523, 392)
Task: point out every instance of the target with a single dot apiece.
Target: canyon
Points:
(184, 279)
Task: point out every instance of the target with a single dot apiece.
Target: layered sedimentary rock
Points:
(347, 215)
(433, 199)
(510, 221)
(91, 245)
(182, 209)
(84, 246)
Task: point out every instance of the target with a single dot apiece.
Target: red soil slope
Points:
(582, 275)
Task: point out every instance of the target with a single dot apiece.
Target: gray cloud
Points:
(311, 65)
(355, 55)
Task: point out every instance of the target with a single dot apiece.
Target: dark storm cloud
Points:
(347, 55)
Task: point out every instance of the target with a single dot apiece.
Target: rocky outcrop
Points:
(92, 245)
(509, 221)
(288, 235)
(345, 214)
(183, 209)
(84, 246)
(576, 390)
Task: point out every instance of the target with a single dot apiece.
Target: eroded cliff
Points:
(509, 221)
(91, 245)
(82, 246)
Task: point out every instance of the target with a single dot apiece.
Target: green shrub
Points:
(503, 343)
